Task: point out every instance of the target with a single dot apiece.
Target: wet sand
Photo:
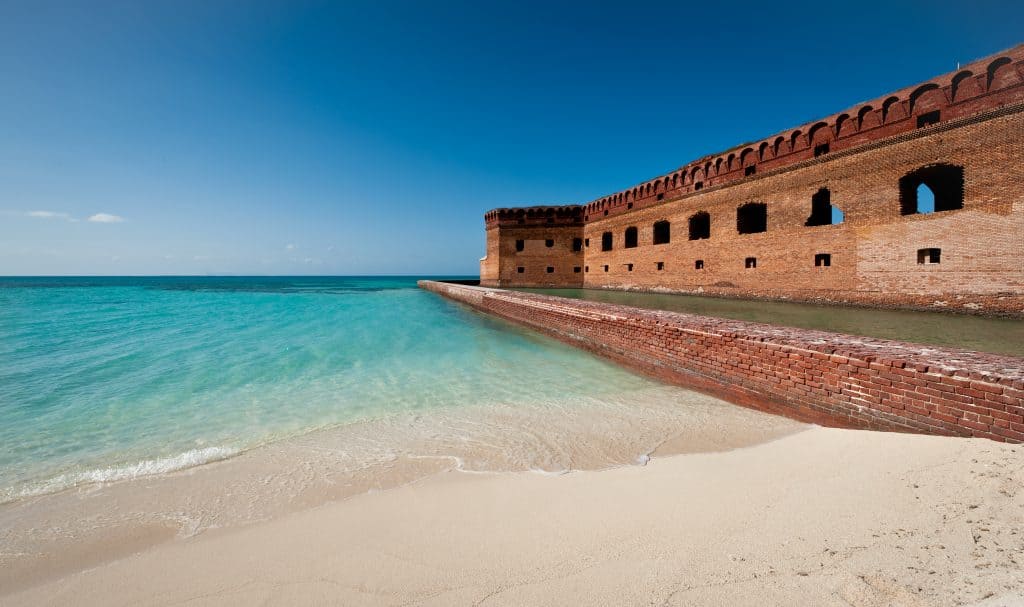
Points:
(820, 516)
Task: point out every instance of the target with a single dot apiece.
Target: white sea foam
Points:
(182, 461)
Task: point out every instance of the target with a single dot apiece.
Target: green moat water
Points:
(996, 335)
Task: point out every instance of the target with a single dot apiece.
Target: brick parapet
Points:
(817, 376)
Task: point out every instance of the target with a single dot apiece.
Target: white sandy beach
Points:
(819, 517)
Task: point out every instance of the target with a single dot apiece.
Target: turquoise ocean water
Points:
(111, 378)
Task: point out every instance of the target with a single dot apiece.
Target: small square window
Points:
(606, 268)
(660, 265)
(929, 256)
(629, 267)
(520, 269)
(661, 197)
(551, 270)
(576, 270)
(549, 243)
(629, 206)
(698, 265)
(822, 260)
(606, 212)
(520, 245)
(750, 262)
(928, 119)
(820, 149)
(750, 170)
(698, 186)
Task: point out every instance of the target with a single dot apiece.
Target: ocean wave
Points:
(182, 461)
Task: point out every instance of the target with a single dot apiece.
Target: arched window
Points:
(752, 218)
(700, 226)
(631, 238)
(823, 213)
(662, 232)
(932, 188)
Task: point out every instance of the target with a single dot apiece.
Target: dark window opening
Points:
(700, 226)
(750, 262)
(586, 242)
(521, 221)
(698, 186)
(822, 211)
(750, 170)
(551, 220)
(661, 197)
(606, 213)
(823, 260)
(629, 267)
(631, 238)
(586, 218)
(520, 269)
(586, 269)
(520, 245)
(629, 205)
(577, 244)
(606, 268)
(660, 265)
(549, 243)
(576, 269)
(551, 270)
(820, 150)
(698, 265)
(606, 241)
(933, 188)
(928, 118)
(662, 232)
(929, 256)
(752, 218)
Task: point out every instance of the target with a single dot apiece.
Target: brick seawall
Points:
(816, 376)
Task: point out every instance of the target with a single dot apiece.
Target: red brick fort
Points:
(827, 211)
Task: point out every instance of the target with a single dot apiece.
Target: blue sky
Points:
(366, 138)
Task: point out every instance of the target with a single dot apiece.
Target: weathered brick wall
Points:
(873, 252)
(827, 378)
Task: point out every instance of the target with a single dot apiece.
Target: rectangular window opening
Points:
(660, 265)
(586, 268)
(661, 197)
(698, 186)
(551, 220)
(629, 267)
(820, 150)
(520, 269)
(577, 244)
(750, 170)
(929, 256)
(629, 206)
(551, 270)
(698, 265)
(606, 268)
(586, 242)
(576, 269)
(520, 245)
(549, 243)
(822, 260)
(750, 262)
(929, 118)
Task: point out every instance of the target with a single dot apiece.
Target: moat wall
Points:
(816, 376)
(867, 160)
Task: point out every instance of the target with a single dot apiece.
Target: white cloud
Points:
(289, 247)
(105, 218)
(50, 215)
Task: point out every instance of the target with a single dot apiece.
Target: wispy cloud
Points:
(105, 218)
(50, 215)
(289, 247)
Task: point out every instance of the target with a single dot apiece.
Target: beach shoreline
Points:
(821, 516)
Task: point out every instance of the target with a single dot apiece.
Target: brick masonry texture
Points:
(971, 120)
(821, 377)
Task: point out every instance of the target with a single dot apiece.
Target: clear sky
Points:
(364, 138)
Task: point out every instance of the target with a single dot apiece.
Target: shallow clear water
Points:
(110, 378)
(996, 335)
